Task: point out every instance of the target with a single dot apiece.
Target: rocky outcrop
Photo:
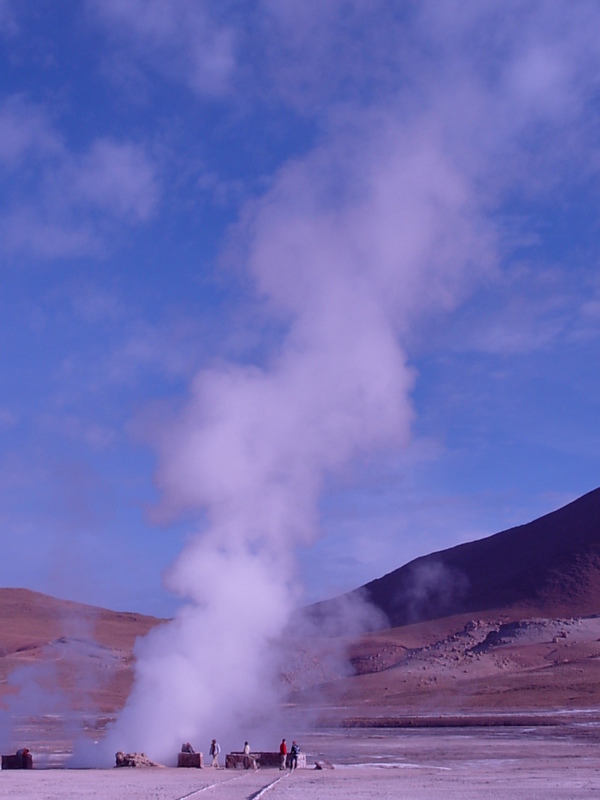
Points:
(134, 760)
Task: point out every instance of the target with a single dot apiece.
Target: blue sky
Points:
(359, 237)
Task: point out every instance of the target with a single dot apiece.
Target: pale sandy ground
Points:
(515, 764)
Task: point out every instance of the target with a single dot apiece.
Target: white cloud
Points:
(115, 177)
(59, 202)
(179, 38)
(26, 132)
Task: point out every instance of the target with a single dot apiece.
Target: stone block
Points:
(190, 760)
(18, 761)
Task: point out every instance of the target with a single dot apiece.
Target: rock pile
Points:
(134, 760)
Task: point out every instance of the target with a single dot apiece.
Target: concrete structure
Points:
(264, 759)
(190, 760)
(22, 759)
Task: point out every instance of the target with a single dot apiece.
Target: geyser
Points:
(253, 445)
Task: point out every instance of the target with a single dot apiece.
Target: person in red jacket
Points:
(282, 753)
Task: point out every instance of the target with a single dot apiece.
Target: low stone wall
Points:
(241, 761)
(263, 758)
(190, 760)
(18, 761)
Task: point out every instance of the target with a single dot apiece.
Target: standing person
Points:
(214, 751)
(294, 755)
(282, 754)
(249, 761)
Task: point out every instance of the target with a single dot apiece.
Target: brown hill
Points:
(494, 669)
(80, 649)
(548, 567)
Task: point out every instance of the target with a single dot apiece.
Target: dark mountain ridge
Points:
(550, 567)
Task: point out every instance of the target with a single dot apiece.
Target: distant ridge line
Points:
(548, 566)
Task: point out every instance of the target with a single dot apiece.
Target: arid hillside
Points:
(84, 651)
(548, 568)
(490, 669)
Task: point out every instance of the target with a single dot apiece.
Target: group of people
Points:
(286, 759)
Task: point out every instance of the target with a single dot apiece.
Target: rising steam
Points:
(254, 444)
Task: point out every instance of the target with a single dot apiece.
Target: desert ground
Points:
(513, 763)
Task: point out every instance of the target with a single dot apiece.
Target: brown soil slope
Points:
(83, 650)
(548, 567)
(484, 668)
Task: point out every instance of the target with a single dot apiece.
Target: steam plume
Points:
(255, 442)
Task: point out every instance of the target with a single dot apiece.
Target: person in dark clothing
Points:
(294, 755)
(214, 751)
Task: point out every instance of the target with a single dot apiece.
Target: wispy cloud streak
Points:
(57, 202)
